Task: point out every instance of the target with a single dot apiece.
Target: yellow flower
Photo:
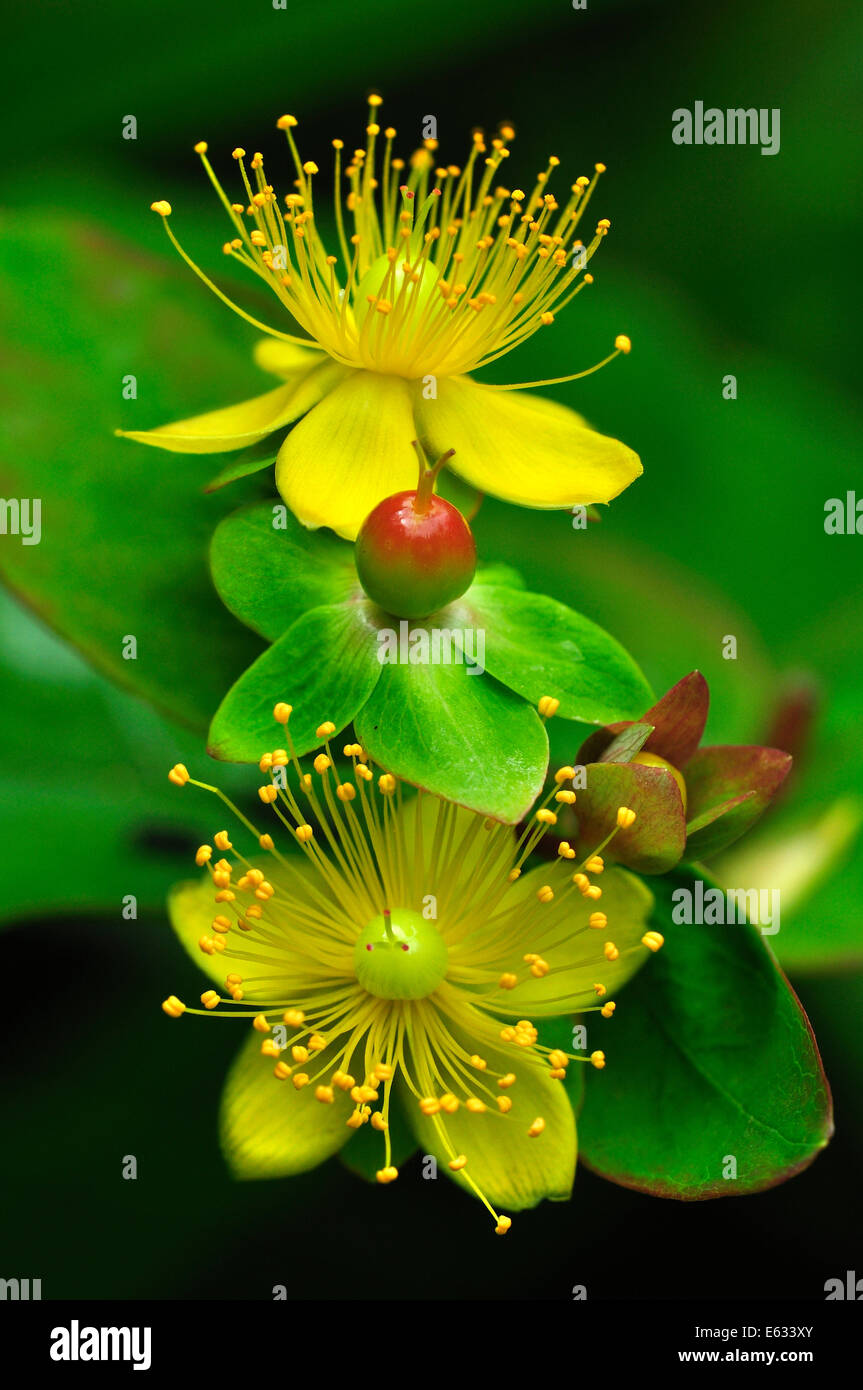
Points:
(405, 972)
(438, 271)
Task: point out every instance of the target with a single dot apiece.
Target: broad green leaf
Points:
(125, 529)
(87, 815)
(712, 1059)
(325, 666)
(462, 736)
(269, 570)
(538, 647)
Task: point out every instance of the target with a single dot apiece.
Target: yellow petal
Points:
(514, 1170)
(572, 947)
(522, 448)
(353, 450)
(192, 907)
(271, 1130)
(237, 426)
(285, 359)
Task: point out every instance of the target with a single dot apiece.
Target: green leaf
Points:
(712, 1058)
(125, 529)
(325, 666)
(537, 647)
(252, 460)
(269, 570)
(83, 787)
(462, 736)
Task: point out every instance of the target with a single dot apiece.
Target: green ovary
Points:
(400, 955)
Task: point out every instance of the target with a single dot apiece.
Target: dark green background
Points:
(720, 261)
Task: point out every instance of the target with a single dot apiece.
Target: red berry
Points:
(415, 552)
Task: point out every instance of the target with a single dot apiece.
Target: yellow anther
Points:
(258, 238)
(300, 1079)
(508, 980)
(622, 343)
(388, 1174)
(266, 762)
(546, 318)
(593, 891)
(209, 999)
(326, 729)
(504, 1104)
(221, 840)
(378, 1122)
(449, 1103)
(546, 817)
(161, 207)
(478, 1062)
(537, 1127)
(221, 924)
(364, 772)
(268, 794)
(324, 1094)
(346, 792)
(293, 1017)
(610, 951)
(386, 783)
(281, 1071)
(266, 842)
(558, 1058)
(540, 968)
(598, 921)
(600, 990)
(456, 1164)
(548, 706)
(173, 1006)
(653, 940)
(382, 1072)
(603, 224)
(178, 775)
(595, 864)
(545, 894)
(564, 849)
(597, 1059)
(343, 1080)
(238, 152)
(625, 817)
(353, 750)
(566, 797)
(608, 1009)
(304, 833)
(322, 763)
(286, 122)
(310, 167)
(506, 1081)
(300, 1053)
(429, 1105)
(204, 855)
(282, 712)
(503, 1225)
(581, 881)
(260, 1023)
(475, 1105)
(564, 774)
(513, 875)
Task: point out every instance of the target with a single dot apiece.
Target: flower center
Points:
(400, 955)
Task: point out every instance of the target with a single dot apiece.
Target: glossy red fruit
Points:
(415, 552)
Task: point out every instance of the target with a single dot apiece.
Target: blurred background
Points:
(721, 262)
